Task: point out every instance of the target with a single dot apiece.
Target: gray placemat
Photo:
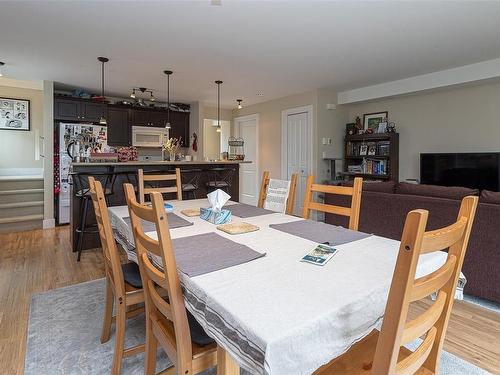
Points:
(320, 232)
(204, 253)
(245, 210)
(174, 221)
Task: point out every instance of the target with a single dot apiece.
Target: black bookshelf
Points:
(376, 156)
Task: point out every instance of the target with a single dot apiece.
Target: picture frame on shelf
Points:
(372, 150)
(372, 120)
(363, 150)
(382, 127)
(14, 114)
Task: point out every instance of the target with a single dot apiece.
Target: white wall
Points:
(463, 119)
(17, 148)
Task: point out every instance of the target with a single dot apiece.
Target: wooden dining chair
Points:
(168, 323)
(352, 212)
(144, 179)
(123, 282)
(383, 353)
(290, 201)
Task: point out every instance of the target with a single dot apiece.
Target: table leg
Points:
(226, 365)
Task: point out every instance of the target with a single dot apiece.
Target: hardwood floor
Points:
(40, 260)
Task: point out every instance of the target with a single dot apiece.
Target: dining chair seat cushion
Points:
(358, 360)
(217, 184)
(189, 187)
(132, 275)
(198, 334)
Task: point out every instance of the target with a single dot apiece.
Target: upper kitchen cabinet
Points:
(119, 129)
(139, 117)
(78, 110)
(179, 122)
(148, 117)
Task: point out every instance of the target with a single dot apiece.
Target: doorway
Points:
(296, 151)
(247, 127)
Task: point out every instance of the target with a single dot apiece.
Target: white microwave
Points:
(143, 136)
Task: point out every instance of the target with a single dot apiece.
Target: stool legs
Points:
(83, 220)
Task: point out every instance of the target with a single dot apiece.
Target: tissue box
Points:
(213, 217)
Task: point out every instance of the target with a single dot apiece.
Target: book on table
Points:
(320, 255)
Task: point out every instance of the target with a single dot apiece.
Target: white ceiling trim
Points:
(464, 74)
(9, 82)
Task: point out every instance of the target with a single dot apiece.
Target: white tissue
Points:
(218, 199)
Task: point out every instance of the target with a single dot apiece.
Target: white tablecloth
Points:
(277, 315)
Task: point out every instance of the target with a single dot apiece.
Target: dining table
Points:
(275, 314)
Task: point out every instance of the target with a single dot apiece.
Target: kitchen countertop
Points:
(83, 164)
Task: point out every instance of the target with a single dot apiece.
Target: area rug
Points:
(65, 328)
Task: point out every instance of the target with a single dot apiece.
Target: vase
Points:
(172, 155)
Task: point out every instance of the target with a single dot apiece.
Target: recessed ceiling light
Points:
(260, 94)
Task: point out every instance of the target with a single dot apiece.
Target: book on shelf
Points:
(370, 166)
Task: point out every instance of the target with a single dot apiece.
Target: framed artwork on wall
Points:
(371, 120)
(14, 114)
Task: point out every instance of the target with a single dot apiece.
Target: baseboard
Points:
(49, 223)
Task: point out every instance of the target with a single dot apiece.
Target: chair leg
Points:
(151, 349)
(108, 313)
(121, 317)
(83, 221)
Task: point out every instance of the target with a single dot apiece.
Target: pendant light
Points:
(218, 105)
(1, 65)
(239, 103)
(168, 73)
(133, 94)
(103, 60)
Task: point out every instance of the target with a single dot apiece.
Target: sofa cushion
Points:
(448, 192)
(377, 186)
(488, 196)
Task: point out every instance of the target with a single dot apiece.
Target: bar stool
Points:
(81, 190)
(220, 178)
(190, 181)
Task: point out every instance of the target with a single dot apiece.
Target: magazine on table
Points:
(320, 255)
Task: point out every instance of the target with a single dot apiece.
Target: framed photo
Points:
(371, 120)
(363, 149)
(382, 127)
(14, 114)
(372, 150)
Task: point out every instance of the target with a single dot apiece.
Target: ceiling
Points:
(277, 48)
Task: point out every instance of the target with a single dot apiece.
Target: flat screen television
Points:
(473, 170)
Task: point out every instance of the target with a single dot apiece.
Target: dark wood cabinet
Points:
(179, 122)
(158, 118)
(139, 117)
(78, 110)
(119, 129)
(121, 118)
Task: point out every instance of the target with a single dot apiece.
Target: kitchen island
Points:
(126, 172)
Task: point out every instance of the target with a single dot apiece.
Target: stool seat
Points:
(217, 184)
(86, 192)
(189, 187)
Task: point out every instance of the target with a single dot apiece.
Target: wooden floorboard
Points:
(40, 260)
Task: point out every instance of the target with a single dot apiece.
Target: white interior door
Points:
(298, 152)
(247, 128)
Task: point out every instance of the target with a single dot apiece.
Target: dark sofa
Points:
(384, 206)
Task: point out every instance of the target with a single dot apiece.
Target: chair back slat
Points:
(352, 212)
(110, 251)
(143, 190)
(396, 330)
(288, 205)
(332, 189)
(148, 243)
(411, 364)
(428, 284)
(179, 347)
(424, 322)
(443, 238)
(162, 305)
